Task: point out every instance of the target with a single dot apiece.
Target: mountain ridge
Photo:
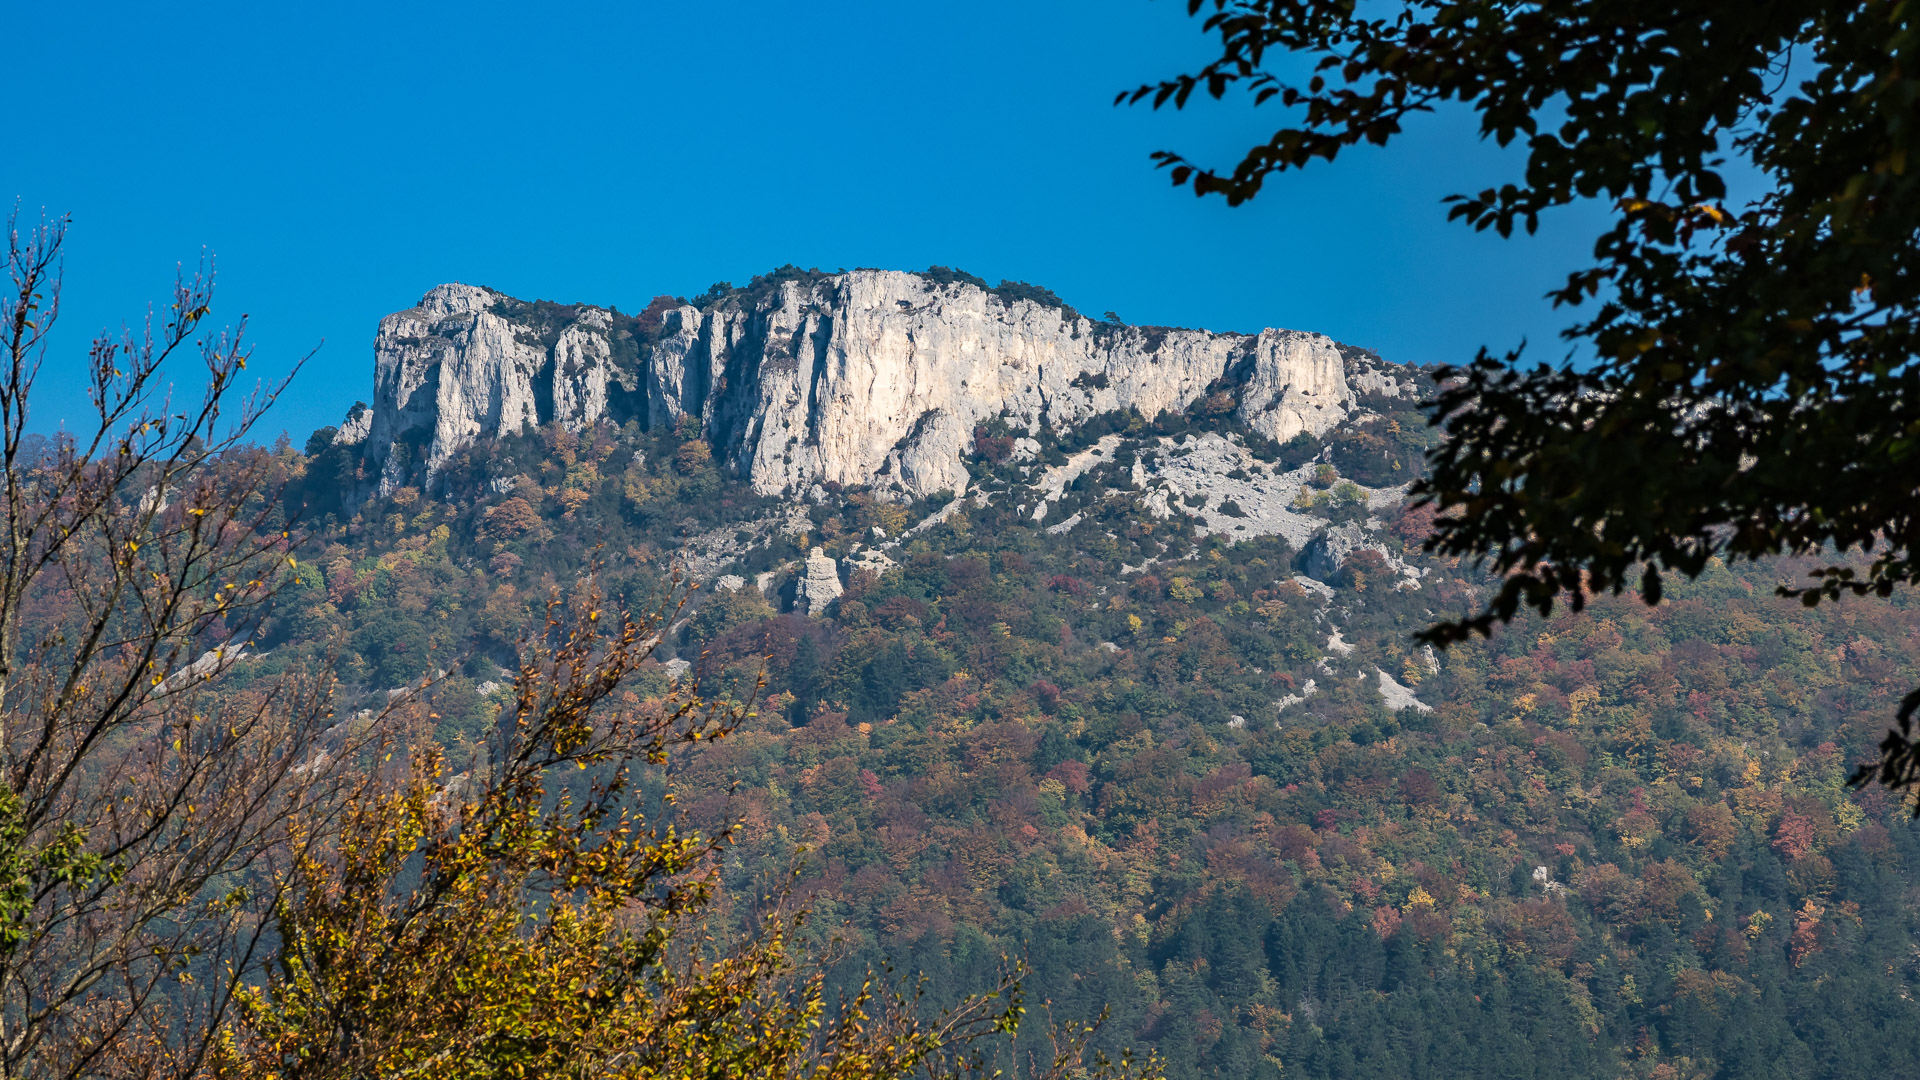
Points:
(1137, 699)
(867, 378)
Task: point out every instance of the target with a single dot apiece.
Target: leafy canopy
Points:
(1752, 388)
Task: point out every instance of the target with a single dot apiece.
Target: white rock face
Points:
(1396, 696)
(1319, 588)
(1206, 467)
(457, 366)
(870, 561)
(820, 585)
(1053, 483)
(451, 369)
(355, 428)
(868, 377)
(1306, 692)
(1329, 551)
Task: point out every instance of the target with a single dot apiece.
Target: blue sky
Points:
(338, 160)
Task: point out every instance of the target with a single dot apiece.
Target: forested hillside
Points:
(1227, 801)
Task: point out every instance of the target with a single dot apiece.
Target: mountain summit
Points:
(864, 378)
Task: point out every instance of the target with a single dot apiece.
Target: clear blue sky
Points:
(340, 159)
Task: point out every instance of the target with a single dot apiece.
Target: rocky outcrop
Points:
(1326, 553)
(1329, 551)
(819, 583)
(868, 377)
(356, 427)
(464, 363)
(1397, 697)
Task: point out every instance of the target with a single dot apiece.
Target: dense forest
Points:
(1230, 805)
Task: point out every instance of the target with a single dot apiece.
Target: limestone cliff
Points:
(867, 377)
